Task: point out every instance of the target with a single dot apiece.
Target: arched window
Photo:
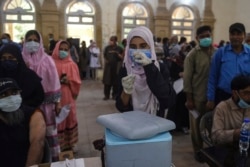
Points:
(183, 22)
(133, 15)
(80, 21)
(18, 17)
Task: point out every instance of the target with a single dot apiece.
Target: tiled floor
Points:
(90, 105)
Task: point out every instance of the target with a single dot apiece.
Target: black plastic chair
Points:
(206, 124)
(213, 155)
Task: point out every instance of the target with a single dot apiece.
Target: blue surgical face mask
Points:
(10, 103)
(242, 103)
(205, 42)
(247, 45)
(4, 41)
(9, 65)
(63, 54)
(147, 52)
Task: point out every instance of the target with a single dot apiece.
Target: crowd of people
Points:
(139, 75)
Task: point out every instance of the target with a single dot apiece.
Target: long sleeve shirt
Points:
(158, 82)
(226, 64)
(196, 71)
(227, 117)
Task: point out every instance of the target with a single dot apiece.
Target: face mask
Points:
(10, 103)
(242, 103)
(9, 65)
(147, 52)
(247, 45)
(32, 46)
(4, 41)
(205, 42)
(63, 54)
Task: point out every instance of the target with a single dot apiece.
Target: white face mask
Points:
(10, 103)
(32, 46)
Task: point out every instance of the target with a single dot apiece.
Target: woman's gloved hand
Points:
(128, 83)
(141, 58)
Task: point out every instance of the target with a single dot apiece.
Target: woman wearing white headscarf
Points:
(144, 82)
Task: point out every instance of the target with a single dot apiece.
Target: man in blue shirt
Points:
(228, 61)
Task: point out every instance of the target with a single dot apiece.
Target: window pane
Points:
(188, 24)
(11, 17)
(27, 17)
(125, 36)
(176, 32)
(183, 13)
(20, 6)
(128, 21)
(73, 19)
(140, 22)
(135, 9)
(127, 30)
(176, 23)
(187, 32)
(87, 19)
(81, 7)
(189, 38)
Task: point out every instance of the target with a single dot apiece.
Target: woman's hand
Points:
(128, 83)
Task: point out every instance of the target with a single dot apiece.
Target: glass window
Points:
(87, 19)
(183, 13)
(176, 32)
(81, 20)
(187, 32)
(182, 22)
(188, 24)
(73, 19)
(176, 23)
(128, 21)
(134, 14)
(11, 17)
(19, 17)
(140, 22)
(27, 17)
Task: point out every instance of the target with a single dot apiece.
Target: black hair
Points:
(32, 32)
(7, 35)
(192, 43)
(240, 82)
(182, 40)
(158, 39)
(65, 42)
(165, 40)
(202, 29)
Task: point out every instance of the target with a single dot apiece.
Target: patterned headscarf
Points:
(142, 97)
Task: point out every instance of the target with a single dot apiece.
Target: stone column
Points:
(208, 17)
(49, 22)
(162, 20)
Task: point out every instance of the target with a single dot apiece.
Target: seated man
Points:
(22, 128)
(229, 115)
